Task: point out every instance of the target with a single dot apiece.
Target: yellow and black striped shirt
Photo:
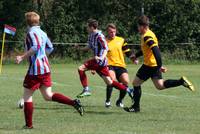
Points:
(148, 41)
(117, 48)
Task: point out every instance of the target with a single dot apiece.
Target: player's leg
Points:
(48, 95)
(124, 79)
(28, 107)
(117, 85)
(141, 76)
(83, 78)
(165, 84)
(109, 89)
(104, 73)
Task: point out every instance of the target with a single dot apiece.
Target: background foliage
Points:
(173, 21)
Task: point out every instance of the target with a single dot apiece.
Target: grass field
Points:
(174, 111)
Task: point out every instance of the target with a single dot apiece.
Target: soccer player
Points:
(98, 63)
(152, 67)
(38, 75)
(116, 63)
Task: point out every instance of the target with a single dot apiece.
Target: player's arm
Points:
(35, 47)
(126, 50)
(49, 47)
(154, 47)
(157, 55)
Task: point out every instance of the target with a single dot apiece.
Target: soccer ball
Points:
(20, 103)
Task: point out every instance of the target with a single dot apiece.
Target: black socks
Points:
(173, 83)
(109, 90)
(136, 96)
(108, 93)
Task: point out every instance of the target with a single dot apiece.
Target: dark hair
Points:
(111, 25)
(92, 23)
(143, 21)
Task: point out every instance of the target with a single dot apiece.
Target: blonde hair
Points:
(32, 18)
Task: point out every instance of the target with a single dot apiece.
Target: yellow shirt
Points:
(149, 40)
(117, 48)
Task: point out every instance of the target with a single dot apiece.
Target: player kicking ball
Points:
(38, 75)
(152, 67)
(98, 63)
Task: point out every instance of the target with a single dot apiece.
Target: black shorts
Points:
(146, 72)
(118, 71)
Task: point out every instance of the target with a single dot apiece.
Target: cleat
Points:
(132, 109)
(187, 84)
(108, 104)
(84, 94)
(27, 127)
(119, 104)
(130, 91)
(78, 107)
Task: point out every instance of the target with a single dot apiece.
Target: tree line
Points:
(173, 21)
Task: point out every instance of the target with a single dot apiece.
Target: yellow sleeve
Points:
(149, 41)
(125, 47)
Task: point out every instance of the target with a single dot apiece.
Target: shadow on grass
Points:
(53, 108)
(10, 129)
(100, 112)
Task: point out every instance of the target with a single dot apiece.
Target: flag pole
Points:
(2, 48)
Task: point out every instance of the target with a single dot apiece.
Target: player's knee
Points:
(47, 97)
(109, 82)
(81, 68)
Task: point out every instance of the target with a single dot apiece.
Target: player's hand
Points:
(134, 59)
(18, 59)
(93, 72)
(163, 69)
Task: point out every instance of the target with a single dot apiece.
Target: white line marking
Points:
(103, 87)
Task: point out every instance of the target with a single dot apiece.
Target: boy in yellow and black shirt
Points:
(152, 67)
(118, 48)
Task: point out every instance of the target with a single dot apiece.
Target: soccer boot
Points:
(130, 91)
(107, 104)
(132, 109)
(119, 104)
(27, 127)
(84, 94)
(187, 83)
(78, 107)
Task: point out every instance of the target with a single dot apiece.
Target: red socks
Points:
(28, 107)
(28, 113)
(62, 99)
(119, 85)
(83, 78)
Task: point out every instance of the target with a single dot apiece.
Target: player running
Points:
(38, 75)
(116, 63)
(152, 67)
(98, 63)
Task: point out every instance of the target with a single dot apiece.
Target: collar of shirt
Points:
(33, 27)
(98, 31)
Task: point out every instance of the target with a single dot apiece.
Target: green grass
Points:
(174, 111)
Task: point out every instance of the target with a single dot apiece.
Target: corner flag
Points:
(9, 30)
